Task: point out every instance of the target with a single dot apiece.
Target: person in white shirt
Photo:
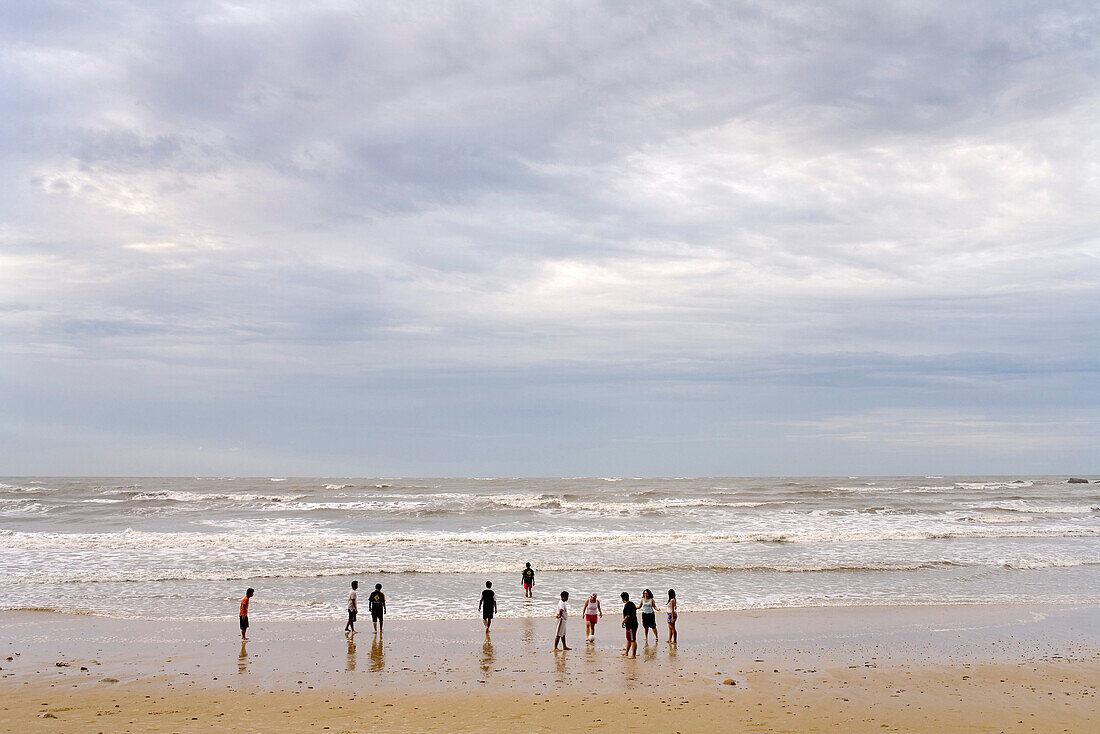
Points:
(353, 608)
(562, 615)
(592, 613)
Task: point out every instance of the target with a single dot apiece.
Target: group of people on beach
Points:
(487, 605)
(593, 611)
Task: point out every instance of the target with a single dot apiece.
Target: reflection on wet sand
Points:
(561, 660)
(487, 657)
(528, 634)
(377, 656)
(242, 659)
(351, 652)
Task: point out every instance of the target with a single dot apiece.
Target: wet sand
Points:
(975, 668)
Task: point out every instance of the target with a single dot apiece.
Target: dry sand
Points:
(988, 668)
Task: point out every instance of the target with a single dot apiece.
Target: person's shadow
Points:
(377, 656)
(242, 659)
(351, 652)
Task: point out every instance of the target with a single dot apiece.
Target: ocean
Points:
(180, 549)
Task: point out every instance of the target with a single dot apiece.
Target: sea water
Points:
(187, 548)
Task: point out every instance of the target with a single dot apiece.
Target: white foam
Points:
(18, 507)
(1014, 484)
(480, 567)
(1038, 507)
(1018, 518)
(170, 495)
(1035, 564)
(263, 540)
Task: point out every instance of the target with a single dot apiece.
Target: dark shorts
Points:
(244, 622)
(352, 613)
(649, 620)
(486, 613)
(631, 634)
(376, 614)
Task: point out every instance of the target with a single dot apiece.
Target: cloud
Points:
(926, 430)
(564, 211)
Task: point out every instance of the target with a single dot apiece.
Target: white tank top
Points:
(590, 608)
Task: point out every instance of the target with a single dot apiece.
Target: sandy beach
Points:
(973, 668)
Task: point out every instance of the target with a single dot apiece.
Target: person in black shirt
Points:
(488, 605)
(377, 601)
(630, 624)
(528, 576)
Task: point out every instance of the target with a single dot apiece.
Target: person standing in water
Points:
(244, 612)
(630, 624)
(353, 608)
(488, 605)
(377, 601)
(592, 613)
(649, 615)
(562, 615)
(672, 616)
(528, 577)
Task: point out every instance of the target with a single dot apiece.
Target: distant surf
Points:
(184, 548)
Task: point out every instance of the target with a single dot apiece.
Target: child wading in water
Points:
(649, 615)
(672, 616)
(528, 578)
(562, 615)
(592, 613)
(244, 612)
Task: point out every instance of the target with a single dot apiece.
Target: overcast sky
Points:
(523, 238)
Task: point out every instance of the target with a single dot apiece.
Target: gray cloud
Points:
(553, 238)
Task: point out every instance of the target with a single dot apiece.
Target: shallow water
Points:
(186, 548)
